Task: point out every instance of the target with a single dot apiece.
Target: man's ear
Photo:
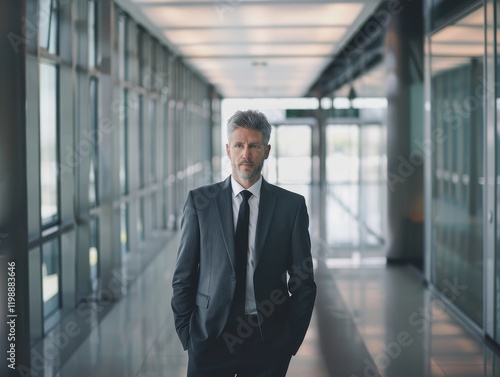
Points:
(266, 152)
(227, 151)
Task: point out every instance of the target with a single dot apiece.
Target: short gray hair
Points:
(251, 120)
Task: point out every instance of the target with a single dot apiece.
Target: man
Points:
(235, 309)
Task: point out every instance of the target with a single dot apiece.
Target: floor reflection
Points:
(370, 320)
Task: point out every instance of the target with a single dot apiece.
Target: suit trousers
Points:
(246, 357)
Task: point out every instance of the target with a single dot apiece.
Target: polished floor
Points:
(370, 320)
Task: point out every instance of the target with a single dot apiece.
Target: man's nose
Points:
(246, 152)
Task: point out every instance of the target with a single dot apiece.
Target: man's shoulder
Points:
(209, 190)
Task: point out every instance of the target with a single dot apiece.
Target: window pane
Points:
(442, 11)
(342, 161)
(342, 174)
(94, 152)
(154, 211)
(143, 48)
(153, 141)
(92, 32)
(94, 253)
(124, 227)
(48, 143)
(122, 35)
(142, 173)
(48, 25)
(154, 76)
(269, 171)
(50, 277)
(293, 149)
(140, 220)
(373, 188)
(124, 144)
(356, 200)
(146, 61)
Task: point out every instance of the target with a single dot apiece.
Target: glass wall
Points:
(123, 74)
(51, 271)
(108, 115)
(357, 199)
(373, 190)
(293, 150)
(51, 168)
(342, 167)
(289, 164)
(457, 142)
(48, 143)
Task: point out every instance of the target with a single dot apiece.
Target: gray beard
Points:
(249, 176)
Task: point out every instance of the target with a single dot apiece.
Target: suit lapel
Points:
(224, 206)
(267, 204)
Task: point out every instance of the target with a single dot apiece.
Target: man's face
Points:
(247, 153)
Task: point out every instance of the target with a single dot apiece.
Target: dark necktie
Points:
(241, 247)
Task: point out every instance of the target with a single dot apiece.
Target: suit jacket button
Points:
(233, 277)
(228, 303)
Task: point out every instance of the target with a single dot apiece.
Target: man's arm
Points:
(301, 283)
(185, 279)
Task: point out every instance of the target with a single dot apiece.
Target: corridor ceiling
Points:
(255, 48)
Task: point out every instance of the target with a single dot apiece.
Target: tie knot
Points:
(245, 194)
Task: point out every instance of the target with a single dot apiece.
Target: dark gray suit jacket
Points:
(204, 278)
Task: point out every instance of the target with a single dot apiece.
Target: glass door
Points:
(356, 194)
(290, 164)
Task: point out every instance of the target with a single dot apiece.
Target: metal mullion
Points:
(428, 157)
(46, 56)
(489, 199)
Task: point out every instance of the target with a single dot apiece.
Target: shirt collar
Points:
(254, 189)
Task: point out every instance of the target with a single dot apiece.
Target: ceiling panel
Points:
(269, 50)
(245, 63)
(187, 36)
(257, 48)
(252, 14)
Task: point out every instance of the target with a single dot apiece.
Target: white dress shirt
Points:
(253, 202)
